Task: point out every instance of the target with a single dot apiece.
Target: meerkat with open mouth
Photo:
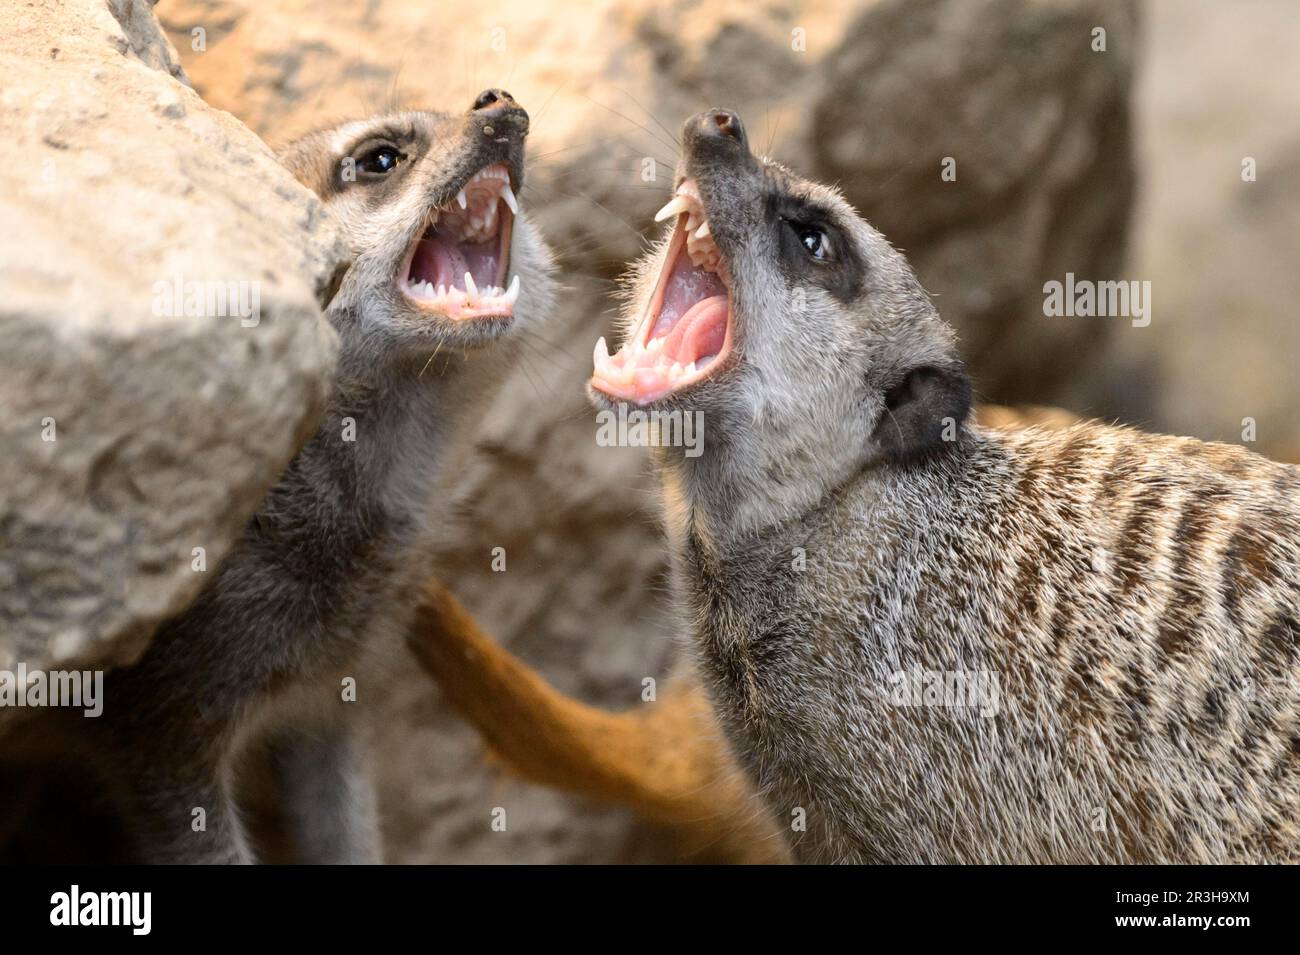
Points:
(444, 262)
(929, 641)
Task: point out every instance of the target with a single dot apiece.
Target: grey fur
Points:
(328, 569)
(1137, 597)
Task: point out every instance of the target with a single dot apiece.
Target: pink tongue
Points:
(700, 333)
(693, 317)
(445, 263)
(687, 285)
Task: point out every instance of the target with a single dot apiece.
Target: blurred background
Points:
(1112, 155)
(1117, 163)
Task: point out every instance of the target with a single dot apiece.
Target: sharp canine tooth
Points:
(508, 195)
(690, 369)
(512, 293)
(674, 206)
(601, 351)
(461, 200)
(470, 288)
(703, 231)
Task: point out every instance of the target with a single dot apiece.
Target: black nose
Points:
(498, 116)
(493, 99)
(717, 132)
(726, 123)
(720, 124)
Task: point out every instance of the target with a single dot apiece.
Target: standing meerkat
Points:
(666, 760)
(447, 273)
(928, 641)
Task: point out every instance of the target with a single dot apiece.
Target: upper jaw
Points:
(687, 331)
(457, 266)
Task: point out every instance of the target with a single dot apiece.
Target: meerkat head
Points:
(428, 203)
(775, 309)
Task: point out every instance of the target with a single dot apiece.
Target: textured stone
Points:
(134, 434)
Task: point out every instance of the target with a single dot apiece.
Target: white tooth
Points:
(475, 223)
(690, 369)
(600, 353)
(674, 206)
(508, 195)
(512, 293)
(471, 289)
(655, 344)
(703, 231)
(676, 369)
(461, 200)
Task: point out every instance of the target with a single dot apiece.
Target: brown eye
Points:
(379, 161)
(813, 241)
(813, 238)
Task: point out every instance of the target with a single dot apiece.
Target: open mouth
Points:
(458, 266)
(686, 332)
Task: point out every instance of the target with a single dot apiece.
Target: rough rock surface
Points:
(873, 95)
(134, 432)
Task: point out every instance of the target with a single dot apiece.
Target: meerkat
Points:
(447, 272)
(929, 641)
(665, 760)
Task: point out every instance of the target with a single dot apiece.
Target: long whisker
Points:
(672, 146)
(675, 140)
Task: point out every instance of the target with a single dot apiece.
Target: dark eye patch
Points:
(379, 160)
(814, 248)
(378, 157)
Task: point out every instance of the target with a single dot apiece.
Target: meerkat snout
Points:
(429, 202)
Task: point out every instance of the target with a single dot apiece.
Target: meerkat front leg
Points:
(324, 781)
(185, 815)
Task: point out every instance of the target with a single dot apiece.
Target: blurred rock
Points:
(133, 432)
(1220, 84)
(872, 95)
(1036, 125)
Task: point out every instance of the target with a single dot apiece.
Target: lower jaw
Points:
(653, 395)
(459, 317)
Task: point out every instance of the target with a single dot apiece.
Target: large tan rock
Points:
(872, 95)
(137, 426)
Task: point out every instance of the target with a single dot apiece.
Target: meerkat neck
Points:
(375, 468)
(745, 483)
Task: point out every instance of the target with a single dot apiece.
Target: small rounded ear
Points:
(923, 412)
